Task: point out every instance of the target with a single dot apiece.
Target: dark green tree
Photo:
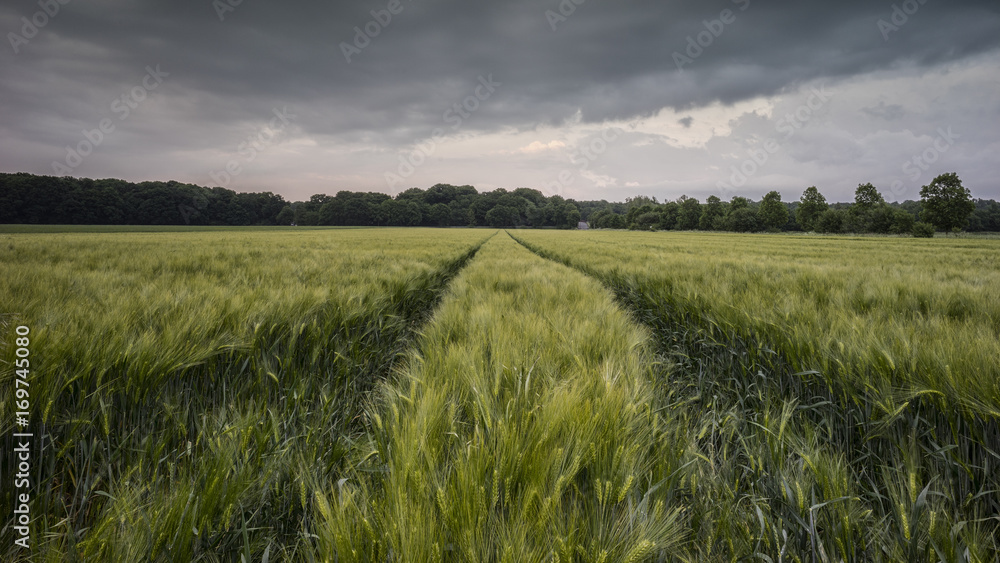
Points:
(286, 216)
(573, 216)
(881, 219)
(614, 221)
(647, 221)
(633, 214)
(830, 221)
(306, 217)
(711, 212)
(741, 217)
(743, 220)
(869, 212)
(738, 202)
(669, 215)
(902, 222)
(638, 201)
(947, 203)
(596, 218)
(811, 205)
(502, 216)
(439, 215)
(866, 197)
(986, 217)
(923, 230)
(688, 213)
(773, 213)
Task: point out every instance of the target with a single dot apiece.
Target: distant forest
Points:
(30, 199)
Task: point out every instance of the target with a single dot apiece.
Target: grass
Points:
(815, 444)
(75, 229)
(189, 384)
(519, 430)
(455, 395)
(896, 318)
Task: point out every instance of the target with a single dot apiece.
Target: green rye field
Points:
(474, 395)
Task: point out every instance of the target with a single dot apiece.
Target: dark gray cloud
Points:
(605, 61)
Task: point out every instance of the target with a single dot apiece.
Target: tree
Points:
(596, 218)
(286, 216)
(743, 220)
(902, 222)
(410, 214)
(400, 213)
(985, 218)
(738, 202)
(923, 230)
(688, 214)
(947, 204)
(502, 216)
(614, 221)
(741, 217)
(572, 216)
(440, 215)
(866, 197)
(534, 196)
(318, 200)
(711, 212)
(830, 221)
(331, 213)
(647, 221)
(881, 219)
(773, 213)
(812, 204)
(306, 217)
(638, 201)
(869, 213)
(669, 213)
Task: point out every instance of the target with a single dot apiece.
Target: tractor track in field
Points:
(519, 429)
(719, 369)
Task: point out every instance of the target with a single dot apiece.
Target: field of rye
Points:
(191, 386)
(879, 356)
(473, 395)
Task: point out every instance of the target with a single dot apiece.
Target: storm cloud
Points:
(391, 94)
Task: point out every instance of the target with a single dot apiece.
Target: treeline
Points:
(444, 205)
(945, 205)
(48, 200)
(31, 199)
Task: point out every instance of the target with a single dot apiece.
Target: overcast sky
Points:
(589, 99)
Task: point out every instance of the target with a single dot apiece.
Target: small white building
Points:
(583, 226)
